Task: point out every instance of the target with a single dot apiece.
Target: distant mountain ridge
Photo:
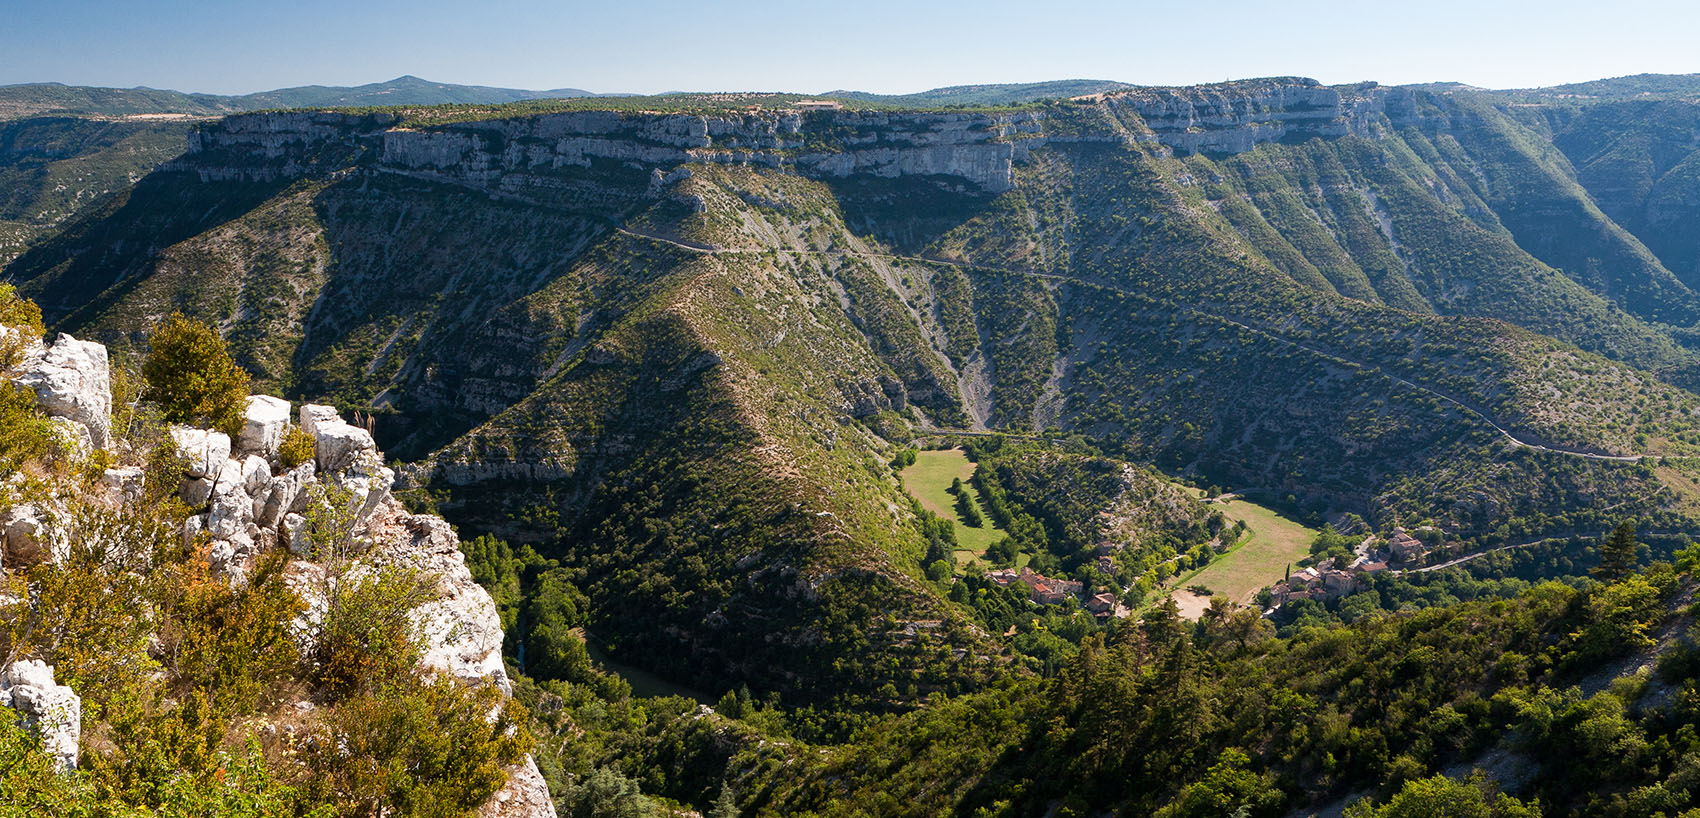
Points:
(1003, 94)
(52, 98)
(34, 99)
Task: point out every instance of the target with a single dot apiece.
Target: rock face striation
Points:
(525, 156)
(251, 502)
(73, 385)
(534, 157)
(1234, 117)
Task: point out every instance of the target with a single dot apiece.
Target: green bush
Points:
(190, 375)
(416, 747)
(21, 314)
(233, 643)
(25, 433)
(367, 637)
(296, 448)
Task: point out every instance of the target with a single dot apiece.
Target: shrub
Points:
(231, 642)
(421, 747)
(367, 636)
(296, 448)
(190, 375)
(25, 433)
(20, 314)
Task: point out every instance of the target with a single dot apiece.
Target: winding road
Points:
(705, 249)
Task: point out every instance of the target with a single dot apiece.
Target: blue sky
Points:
(650, 46)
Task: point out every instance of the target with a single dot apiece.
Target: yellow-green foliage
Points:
(296, 448)
(368, 636)
(175, 666)
(20, 314)
(190, 375)
(421, 746)
(25, 433)
(231, 643)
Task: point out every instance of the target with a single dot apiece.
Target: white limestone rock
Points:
(196, 491)
(256, 474)
(338, 446)
(124, 484)
(313, 414)
(283, 493)
(193, 528)
(50, 710)
(461, 628)
(74, 434)
(73, 381)
(232, 508)
(205, 450)
(526, 795)
(263, 426)
(293, 531)
(368, 486)
(23, 535)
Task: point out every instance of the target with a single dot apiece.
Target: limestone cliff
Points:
(521, 155)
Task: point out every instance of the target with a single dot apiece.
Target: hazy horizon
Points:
(659, 46)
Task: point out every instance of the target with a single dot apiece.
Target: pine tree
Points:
(1618, 554)
(726, 805)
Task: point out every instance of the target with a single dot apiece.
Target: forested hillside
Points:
(669, 357)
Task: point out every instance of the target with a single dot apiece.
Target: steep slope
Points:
(1641, 162)
(676, 349)
(51, 167)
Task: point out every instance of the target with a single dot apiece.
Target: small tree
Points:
(190, 375)
(726, 804)
(1618, 554)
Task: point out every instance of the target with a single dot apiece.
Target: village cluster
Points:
(1328, 580)
(1049, 591)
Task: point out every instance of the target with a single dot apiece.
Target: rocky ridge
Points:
(519, 155)
(253, 503)
(525, 156)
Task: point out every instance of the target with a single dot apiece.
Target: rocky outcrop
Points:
(72, 382)
(263, 424)
(21, 533)
(52, 711)
(461, 627)
(535, 156)
(525, 796)
(1234, 117)
(250, 502)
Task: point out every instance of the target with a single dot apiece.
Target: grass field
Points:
(1260, 559)
(929, 481)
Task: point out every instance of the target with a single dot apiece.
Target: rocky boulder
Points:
(50, 710)
(462, 628)
(123, 484)
(205, 450)
(287, 492)
(526, 795)
(72, 380)
(263, 426)
(22, 533)
(313, 414)
(338, 446)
